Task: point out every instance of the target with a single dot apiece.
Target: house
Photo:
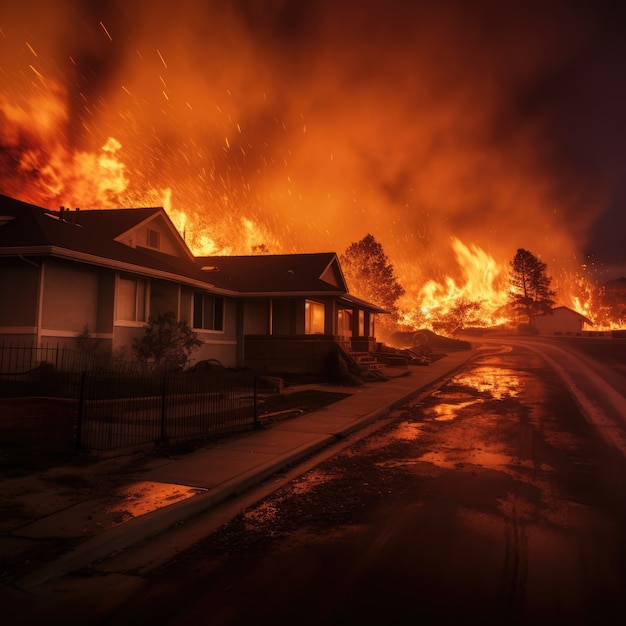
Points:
(294, 308)
(562, 320)
(103, 273)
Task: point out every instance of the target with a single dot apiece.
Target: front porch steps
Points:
(366, 361)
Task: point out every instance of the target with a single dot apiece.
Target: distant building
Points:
(562, 320)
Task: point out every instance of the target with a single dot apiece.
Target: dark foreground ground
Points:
(492, 501)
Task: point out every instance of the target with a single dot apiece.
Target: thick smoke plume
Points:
(314, 122)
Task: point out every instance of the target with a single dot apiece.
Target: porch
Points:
(300, 354)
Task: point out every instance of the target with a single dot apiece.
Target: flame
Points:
(105, 109)
(477, 299)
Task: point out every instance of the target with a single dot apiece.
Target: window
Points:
(154, 239)
(131, 299)
(208, 312)
(314, 318)
(344, 322)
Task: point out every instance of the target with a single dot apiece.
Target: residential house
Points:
(294, 308)
(102, 273)
(562, 320)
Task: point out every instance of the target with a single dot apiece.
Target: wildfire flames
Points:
(214, 122)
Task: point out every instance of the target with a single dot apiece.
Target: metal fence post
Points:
(81, 401)
(256, 413)
(163, 403)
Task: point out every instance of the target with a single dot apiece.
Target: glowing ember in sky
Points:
(454, 132)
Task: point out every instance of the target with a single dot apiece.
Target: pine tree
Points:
(370, 275)
(530, 291)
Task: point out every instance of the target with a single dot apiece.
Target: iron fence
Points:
(50, 370)
(118, 411)
(121, 404)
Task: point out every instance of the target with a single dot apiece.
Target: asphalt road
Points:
(496, 499)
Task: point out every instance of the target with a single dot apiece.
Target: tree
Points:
(463, 313)
(370, 274)
(530, 286)
(166, 343)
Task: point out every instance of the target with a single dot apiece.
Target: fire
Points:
(106, 109)
(478, 298)
(31, 132)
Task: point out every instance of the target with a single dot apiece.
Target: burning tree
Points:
(369, 272)
(462, 313)
(530, 291)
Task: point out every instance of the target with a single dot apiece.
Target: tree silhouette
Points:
(530, 292)
(371, 276)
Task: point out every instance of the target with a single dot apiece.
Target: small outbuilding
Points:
(562, 320)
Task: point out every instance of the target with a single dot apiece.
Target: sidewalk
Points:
(193, 483)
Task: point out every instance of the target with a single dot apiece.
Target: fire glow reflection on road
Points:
(489, 382)
(498, 383)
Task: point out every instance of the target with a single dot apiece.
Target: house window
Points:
(208, 312)
(131, 299)
(314, 318)
(344, 319)
(361, 323)
(154, 238)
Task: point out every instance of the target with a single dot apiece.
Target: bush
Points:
(167, 342)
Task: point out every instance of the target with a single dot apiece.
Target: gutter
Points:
(23, 258)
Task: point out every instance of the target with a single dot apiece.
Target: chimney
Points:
(61, 213)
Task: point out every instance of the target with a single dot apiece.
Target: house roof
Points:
(95, 236)
(88, 236)
(567, 311)
(585, 319)
(276, 273)
(282, 275)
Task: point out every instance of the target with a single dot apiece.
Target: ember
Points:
(259, 130)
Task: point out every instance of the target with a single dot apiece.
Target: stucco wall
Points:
(70, 297)
(163, 297)
(18, 293)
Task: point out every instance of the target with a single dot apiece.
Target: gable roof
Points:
(564, 310)
(314, 274)
(111, 223)
(284, 274)
(89, 236)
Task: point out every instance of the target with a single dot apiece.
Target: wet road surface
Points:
(493, 499)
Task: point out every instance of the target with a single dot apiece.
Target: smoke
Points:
(319, 121)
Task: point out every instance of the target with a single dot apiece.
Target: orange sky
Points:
(307, 124)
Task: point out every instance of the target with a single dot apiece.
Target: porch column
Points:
(330, 317)
(354, 330)
(367, 318)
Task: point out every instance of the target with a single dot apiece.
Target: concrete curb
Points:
(151, 524)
